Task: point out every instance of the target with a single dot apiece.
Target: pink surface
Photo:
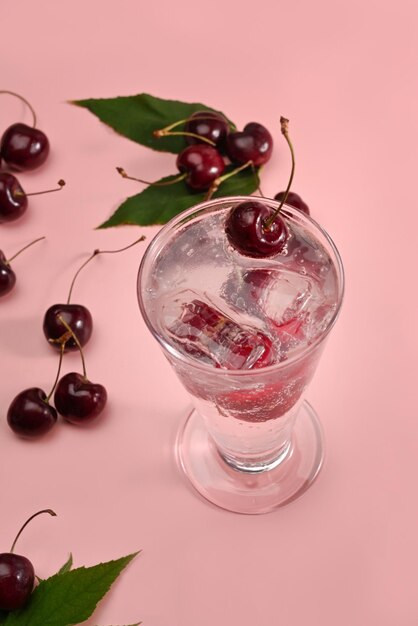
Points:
(345, 75)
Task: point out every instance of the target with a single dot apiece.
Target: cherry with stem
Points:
(199, 166)
(76, 398)
(253, 228)
(17, 574)
(30, 414)
(14, 200)
(23, 147)
(77, 316)
(207, 127)
(7, 275)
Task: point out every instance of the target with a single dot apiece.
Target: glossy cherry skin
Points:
(246, 230)
(294, 200)
(254, 143)
(24, 147)
(203, 165)
(30, 415)
(78, 400)
(207, 124)
(78, 318)
(17, 578)
(13, 200)
(7, 276)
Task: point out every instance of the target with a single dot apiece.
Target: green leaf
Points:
(67, 565)
(137, 117)
(69, 598)
(157, 205)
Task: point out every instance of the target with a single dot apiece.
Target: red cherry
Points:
(78, 400)
(77, 316)
(254, 144)
(202, 163)
(30, 415)
(210, 125)
(13, 200)
(249, 231)
(24, 147)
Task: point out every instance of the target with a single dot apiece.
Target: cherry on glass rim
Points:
(255, 229)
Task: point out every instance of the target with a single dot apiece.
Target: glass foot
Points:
(251, 493)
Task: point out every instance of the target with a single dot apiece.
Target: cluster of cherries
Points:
(67, 327)
(253, 227)
(17, 575)
(22, 148)
(210, 139)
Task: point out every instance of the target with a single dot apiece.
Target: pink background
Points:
(345, 74)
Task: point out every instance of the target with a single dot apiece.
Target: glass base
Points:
(247, 492)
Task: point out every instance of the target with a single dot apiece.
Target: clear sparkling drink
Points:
(243, 334)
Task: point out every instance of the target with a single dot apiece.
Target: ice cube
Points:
(206, 333)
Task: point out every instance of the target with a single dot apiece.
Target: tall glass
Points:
(250, 442)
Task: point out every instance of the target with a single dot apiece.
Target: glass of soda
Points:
(244, 336)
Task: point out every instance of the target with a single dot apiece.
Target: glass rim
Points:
(206, 367)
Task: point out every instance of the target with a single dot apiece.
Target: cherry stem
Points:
(60, 183)
(184, 133)
(122, 172)
(62, 348)
(50, 511)
(284, 127)
(74, 336)
(28, 104)
(95, 253)
(28, 246)
(210, 116)
(218, 181)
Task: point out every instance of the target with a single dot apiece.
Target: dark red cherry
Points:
(17, 578)
(17, 575)
(13, 200)
(207, 124)
(24, 147)
(294, 200)
(30, 415)
(78, 400)
(249, 231)
(254, 144)
(202, 163)
(78, 318)
(7, 276)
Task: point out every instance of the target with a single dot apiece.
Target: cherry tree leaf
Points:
(137, 117)
(68, 598)
(157, 205)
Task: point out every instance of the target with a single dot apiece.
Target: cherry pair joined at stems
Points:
(76, 398)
